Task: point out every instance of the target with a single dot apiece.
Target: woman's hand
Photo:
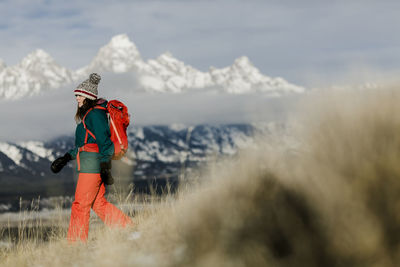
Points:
(59, 163)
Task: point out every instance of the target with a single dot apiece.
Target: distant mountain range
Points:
(155, 152)
(38, 71)
(162, 144)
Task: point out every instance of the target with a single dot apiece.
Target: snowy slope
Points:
(168, 74)
(150, 146)
(38, 71)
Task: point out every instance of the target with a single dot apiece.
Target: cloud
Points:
(51, 114)
(38, 118)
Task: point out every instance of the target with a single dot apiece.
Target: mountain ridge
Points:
(158, 143)
(38, 72)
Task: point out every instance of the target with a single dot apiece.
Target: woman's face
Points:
(80, 100)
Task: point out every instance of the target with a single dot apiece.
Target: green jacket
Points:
(96, 121)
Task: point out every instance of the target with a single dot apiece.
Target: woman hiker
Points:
(93, 151)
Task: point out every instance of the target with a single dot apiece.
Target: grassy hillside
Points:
(332, 201)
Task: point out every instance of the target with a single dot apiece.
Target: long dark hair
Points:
(81, 111)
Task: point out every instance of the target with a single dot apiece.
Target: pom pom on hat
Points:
(94, 78)
(88, 88)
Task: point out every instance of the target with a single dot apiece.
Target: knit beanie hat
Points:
(88, 88)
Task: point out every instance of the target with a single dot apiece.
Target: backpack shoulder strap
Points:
(100, 107)
(84, 125)
(84, 117)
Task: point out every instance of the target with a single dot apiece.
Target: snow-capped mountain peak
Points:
(36, 59)
(243, 62)
(243, 77)
(119, 55)
(122, 41)
(166, 74)
(168, 59)
(242, 67)
(36, 72)
(166, 65)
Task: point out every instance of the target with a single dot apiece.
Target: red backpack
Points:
(118, 118)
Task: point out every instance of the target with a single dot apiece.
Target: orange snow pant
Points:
(90, 194)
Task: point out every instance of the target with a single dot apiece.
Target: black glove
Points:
(59, 163)
(105, 173)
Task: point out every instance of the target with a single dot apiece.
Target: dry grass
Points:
(334, 201)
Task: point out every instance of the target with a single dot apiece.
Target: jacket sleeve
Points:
(73, 152)
(97, 123)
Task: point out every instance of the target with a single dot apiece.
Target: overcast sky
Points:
(306, 42)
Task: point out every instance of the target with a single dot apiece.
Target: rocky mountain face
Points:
(39, 71)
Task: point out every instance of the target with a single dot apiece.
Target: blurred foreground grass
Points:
(331, 200)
